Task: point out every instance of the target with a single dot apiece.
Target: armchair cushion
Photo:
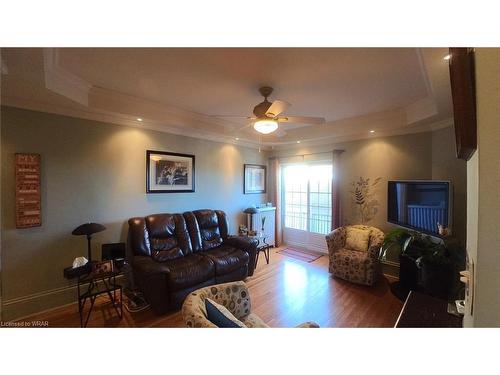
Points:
(220, 316)
(357, 239)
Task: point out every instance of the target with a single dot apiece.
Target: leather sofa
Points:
(175, 254)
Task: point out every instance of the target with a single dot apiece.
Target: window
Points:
(307, 197)
(320, 198)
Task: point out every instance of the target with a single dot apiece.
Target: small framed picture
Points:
(168, 172)
(102, 268)
(254, 179)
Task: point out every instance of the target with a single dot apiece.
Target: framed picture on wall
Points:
(254, 179)
(168, 172)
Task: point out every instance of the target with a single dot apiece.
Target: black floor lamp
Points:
(88, 230)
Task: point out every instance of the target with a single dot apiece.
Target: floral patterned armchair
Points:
(361, 267)
(234, 296)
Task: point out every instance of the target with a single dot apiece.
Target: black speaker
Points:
(114, 251)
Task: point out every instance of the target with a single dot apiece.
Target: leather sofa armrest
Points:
(247, 244)
(151, 278)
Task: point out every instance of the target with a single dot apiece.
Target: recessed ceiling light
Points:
(139, 119)
(372, 131)
(447, 57)
(298, 141)
(237, 139)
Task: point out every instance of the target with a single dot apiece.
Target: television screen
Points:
(419, 205)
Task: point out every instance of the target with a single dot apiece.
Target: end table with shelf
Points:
(90, 286)
(262, 246)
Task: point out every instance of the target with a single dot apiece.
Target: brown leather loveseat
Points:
(174, 254)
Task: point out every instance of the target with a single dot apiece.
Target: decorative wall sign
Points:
(28, 196)
(254, 179)
(168, 172)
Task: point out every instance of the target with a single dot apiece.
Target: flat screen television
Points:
(420, 205)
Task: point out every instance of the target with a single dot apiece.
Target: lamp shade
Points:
(88, 229)
(250, 210)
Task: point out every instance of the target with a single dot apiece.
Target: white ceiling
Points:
(179, 90)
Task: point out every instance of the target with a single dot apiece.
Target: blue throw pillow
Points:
(219, 318)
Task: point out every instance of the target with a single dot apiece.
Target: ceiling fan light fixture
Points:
(266, 126)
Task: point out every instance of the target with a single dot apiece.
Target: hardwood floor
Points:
(284, 293)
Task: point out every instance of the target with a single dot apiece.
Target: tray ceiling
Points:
(181, 90)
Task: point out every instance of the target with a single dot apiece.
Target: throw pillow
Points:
(357, 239)
(220, 316)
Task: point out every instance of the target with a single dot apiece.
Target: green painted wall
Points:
(94, 171)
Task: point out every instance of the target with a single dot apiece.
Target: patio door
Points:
(306, 204)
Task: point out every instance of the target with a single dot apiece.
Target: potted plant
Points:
(425, 264)
(439, 265)
(397, 240)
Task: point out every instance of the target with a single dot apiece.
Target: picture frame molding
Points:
(148, 175)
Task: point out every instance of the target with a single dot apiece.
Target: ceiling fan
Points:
(267, 115)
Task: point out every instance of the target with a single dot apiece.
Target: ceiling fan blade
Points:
(280, 133)
(244, 127)
(277, 107)
(302, 120)
(230, 116)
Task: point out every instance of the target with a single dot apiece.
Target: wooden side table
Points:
(262, 246)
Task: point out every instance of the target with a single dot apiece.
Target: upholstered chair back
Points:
(233, 296)
(336, 239)
(359, 263)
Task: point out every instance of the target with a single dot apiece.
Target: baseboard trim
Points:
(390, 268)
(23, 307)
(14, 301)
(389, 263)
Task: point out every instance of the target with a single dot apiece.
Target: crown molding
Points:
(425, 74)
(105, 105)
(115, 102)
(123, 120)
(420, 110)
(62, 81)
(332, 140)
